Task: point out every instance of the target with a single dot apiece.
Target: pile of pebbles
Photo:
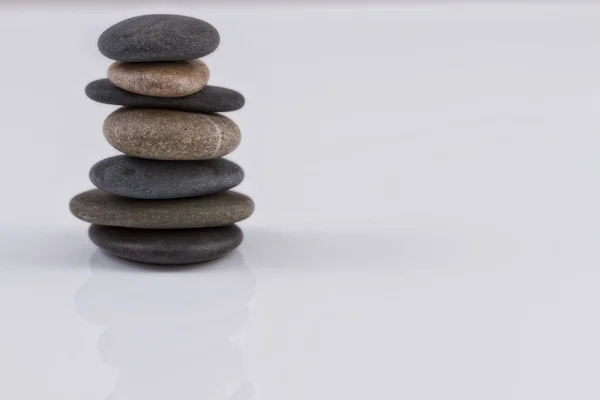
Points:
(167, 200)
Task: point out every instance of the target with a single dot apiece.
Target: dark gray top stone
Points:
(211, 99)
(159, 37)
(153, 179)
(177, 246)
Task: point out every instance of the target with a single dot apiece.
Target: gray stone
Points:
(170, 134)
(211, 99)
(172, 246)
(152, 179)
(102, 208)
(159, 37)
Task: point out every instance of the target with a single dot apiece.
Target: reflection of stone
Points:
(168, 331)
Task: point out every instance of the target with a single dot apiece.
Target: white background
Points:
(427, 224)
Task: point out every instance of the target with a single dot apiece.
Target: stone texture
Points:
(102, 208)
(172, 246)
(160, 79)
(159, 37)
(152, 179)
(171, 135)
(211, 99)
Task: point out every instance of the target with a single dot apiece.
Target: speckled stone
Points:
(172, 246)
(152, 179)
(102, 208)
(159, 37)
(211, 99)
(161, 79)
(171, 135)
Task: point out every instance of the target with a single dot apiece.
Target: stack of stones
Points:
(167, 200)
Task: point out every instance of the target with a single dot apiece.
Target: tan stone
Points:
(170, 134)
(160, 79)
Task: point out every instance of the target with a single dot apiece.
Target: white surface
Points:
(426, 226)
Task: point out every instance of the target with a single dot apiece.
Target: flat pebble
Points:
(159, 37)
(102, 208)
(160, 79)
(170, 134)
(211, 99)
(153, 179)
(172, 246)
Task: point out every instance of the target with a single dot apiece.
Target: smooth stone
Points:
(102, 208)
(152, 179)
(171, 246)
(159, 37)
(161, 79)
(211, 99)
(170, 134)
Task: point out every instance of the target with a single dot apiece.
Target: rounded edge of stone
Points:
(228, 142)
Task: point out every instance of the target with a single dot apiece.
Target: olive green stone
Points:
(171, 134)
(102, 208)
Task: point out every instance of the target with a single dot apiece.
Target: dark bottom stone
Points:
(167, 246)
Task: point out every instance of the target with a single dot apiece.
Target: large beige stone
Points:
(160, 79)
(170, 134)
